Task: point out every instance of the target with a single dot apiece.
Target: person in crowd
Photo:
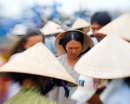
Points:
(106, 65)
(32, 37)
(98, 20)
(50, 30)
(118, 26)
(32, 70)
(70, 46)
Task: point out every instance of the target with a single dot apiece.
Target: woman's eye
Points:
(70, 48)
(77, 48)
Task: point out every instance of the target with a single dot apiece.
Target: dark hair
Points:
(72, 35)
(127, 81)
(101, 18)
(20, 77)
(30, 32)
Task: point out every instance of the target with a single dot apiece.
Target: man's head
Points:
(98, 20)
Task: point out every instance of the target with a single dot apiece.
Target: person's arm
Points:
(95, 99)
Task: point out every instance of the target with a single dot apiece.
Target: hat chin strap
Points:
(57, 82)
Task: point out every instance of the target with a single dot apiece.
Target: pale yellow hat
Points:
(51, 28)
(38, 60)
(119, 26)
(59, 48)
(19, 29)
(109, 59)
(80, 23)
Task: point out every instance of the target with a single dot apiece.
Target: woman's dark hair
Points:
(127, 81)
(101, 18)
(30, 32)
(20, 77)
(72, 35)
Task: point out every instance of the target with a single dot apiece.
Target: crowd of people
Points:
(86, 64)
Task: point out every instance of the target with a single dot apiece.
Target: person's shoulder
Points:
(62, 57)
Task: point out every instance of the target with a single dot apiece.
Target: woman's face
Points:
(73, 48)
(33, 40)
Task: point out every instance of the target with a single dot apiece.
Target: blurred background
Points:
(35, 13)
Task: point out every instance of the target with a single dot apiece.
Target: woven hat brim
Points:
(118, 27)
(18, 32)
(59, 48)
(109, 59)
(79, 27)
(51, 31)
(80, 23)
(38, 60)
(19, 29)
(51, 28)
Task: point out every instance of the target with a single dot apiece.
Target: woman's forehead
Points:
(73, 43)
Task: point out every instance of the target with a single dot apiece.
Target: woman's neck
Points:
(72, 61)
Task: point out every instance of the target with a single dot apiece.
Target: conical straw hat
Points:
(118, 26)
(109, 59)
(19, 29)
(51, 28)
(79, 23)
(38, 60)
(59, 48)
(51, 23)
